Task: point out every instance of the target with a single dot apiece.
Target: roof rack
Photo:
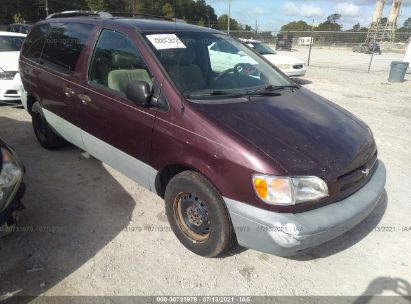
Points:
(139, 15)
(147, 16)
(97, 14)
(79, 13)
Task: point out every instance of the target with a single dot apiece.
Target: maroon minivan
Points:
(238, 151)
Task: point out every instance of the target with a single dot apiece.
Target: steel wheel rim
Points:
(192, 217)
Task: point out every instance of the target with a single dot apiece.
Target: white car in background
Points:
(224, 56)
(289, 65)
(10, 82)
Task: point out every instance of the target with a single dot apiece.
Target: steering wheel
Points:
(226, 72)
(245, 68)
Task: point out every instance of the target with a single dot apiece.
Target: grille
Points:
(354, 180)
(11, 92)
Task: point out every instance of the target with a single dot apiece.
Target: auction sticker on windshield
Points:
(166, 41)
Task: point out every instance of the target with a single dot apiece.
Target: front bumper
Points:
(287, 234)
(295, 72)
(11, 90)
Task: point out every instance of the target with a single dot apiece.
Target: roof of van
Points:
(141, 24)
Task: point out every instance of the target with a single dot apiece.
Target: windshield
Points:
(261, 48)
(11, 43)
(204, 64)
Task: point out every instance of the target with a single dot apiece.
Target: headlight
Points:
(287, 191)
(7, 75)
(10, 174)
(283, 66)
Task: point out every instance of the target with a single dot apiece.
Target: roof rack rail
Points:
(98, 14)
(79, 13)
(144, 15)
(139, 15)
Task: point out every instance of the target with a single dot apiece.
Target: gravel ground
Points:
(88, 230)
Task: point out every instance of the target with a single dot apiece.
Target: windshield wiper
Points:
(215, 93)
(273, 90)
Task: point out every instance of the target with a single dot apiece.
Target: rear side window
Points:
(64, 44)
(34, 43)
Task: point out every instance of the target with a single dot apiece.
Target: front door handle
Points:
(85, 99)
(69, 92)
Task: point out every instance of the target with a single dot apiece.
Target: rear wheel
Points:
(197, 215)
(47, 138)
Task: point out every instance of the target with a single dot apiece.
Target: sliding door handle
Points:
(69, 92)
(85, 99)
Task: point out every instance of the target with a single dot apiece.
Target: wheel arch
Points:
(31, 100)
(165, 175)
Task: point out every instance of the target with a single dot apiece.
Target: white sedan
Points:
(289, 65)
(10, 82)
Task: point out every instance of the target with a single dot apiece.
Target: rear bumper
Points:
(287, 234)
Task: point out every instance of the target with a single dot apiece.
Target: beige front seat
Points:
(118, 79)
(185, 73)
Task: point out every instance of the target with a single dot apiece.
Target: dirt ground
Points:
(88, 230)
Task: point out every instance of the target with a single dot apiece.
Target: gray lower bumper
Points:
(287, 234)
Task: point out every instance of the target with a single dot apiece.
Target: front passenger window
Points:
(116, 62)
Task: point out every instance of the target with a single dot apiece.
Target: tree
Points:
(18, 18)
(196, 11)
(296, 26)
(356, 27)
(108, 5)
(331, 24)
(223, 23)
(333, 18)
(168, 10)
(407, 24)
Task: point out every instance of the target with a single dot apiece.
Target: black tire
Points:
(190, 199)
(47, 138)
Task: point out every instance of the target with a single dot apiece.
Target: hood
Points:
(282, 59)
(305, 133)
(9, 61)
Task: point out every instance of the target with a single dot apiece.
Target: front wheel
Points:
(47, 138)
(198, 215)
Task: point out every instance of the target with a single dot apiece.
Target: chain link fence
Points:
(338, 50)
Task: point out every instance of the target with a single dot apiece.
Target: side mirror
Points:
(139, 92)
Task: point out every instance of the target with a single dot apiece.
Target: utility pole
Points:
(134, 7)
(208, 21)
(47, 7)
(229, 16)
(311, 43)
(256, 26)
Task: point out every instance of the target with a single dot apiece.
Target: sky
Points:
(272, 14)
